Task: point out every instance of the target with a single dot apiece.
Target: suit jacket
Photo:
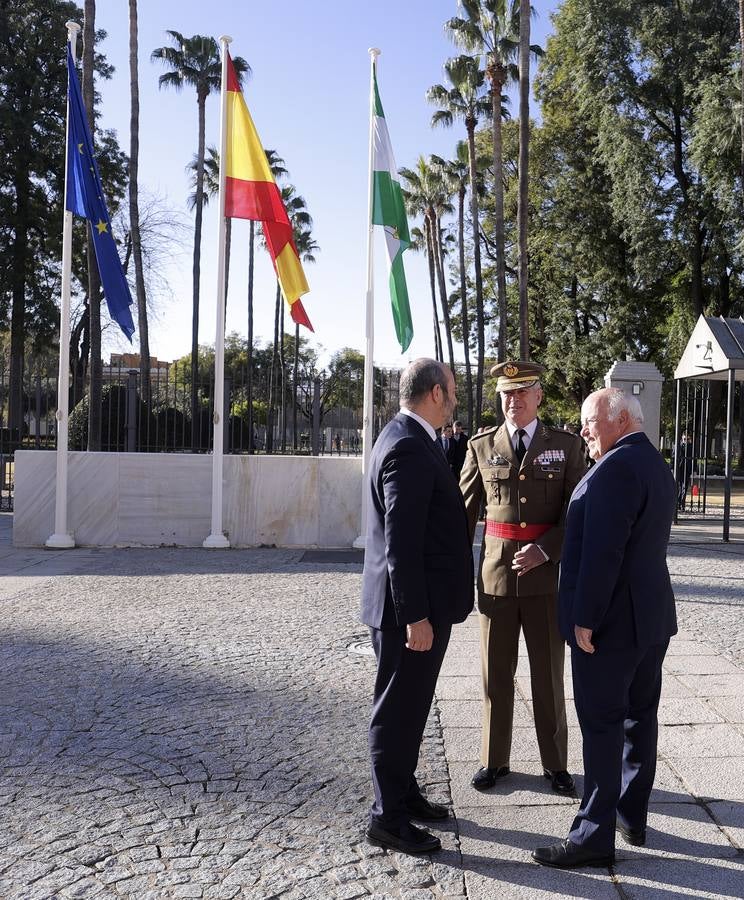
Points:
(614, 577)
(536, 493)
(418, 561)
(449, 452)
(459, 452)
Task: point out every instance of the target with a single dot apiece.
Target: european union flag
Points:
(85, 197)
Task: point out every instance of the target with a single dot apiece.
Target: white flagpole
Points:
(62, 539)
(369, 340)
(217, 539)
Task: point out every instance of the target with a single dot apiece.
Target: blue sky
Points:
(309, 99)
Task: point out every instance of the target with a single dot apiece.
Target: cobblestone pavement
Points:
(192, 724)
(709, 588)
(188, 723)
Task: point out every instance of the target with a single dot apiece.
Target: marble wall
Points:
(153, 499)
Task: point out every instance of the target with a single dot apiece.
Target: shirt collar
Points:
(512, 429)
(424, 424)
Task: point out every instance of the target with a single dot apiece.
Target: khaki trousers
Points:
(500, 620)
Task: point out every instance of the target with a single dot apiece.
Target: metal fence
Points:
(319, 412)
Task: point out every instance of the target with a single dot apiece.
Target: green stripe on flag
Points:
(388, 207)
(401, 307)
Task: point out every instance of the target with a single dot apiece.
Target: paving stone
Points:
(670, 878)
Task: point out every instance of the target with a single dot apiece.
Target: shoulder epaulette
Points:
(485, 433)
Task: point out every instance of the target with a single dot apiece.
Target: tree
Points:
(196, 62)
(31, 165)
(465, 100)
(456, 173)
(425, 194)
(134, 216)
(94, 279)
(491, 27)
(278, 170)
(307, 247)
(524, 176)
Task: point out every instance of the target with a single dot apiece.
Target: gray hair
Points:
(618, 400)
(420, 378)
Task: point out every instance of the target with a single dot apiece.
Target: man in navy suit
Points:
(616, 610)
(417, 582)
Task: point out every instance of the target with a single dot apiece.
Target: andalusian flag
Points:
(252, 193)
(389, 211)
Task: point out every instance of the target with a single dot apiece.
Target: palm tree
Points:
(420, 242)
(741, 50)
(424, 196)
(195, 61)
(299, 217)
(307, 247)
(524, 156)
(456, 173)
(491, 27)
(134, 217)
(465, 100)
(210, 188)
(278, 170)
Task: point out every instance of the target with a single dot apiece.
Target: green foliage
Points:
(113, 422)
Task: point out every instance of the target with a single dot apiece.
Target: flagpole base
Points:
(60, 542)
(216, 542)
(360, 543)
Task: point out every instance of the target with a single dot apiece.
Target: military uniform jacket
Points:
(535, 493)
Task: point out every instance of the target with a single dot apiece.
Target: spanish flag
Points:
(252, 193)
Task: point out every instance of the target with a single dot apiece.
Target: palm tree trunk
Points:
(273, 375)
(196, 273)
(94, 279)
(524, 151)
(295, 373)
(134, 220)
(741, 49)
(479, 313)
(249, 385)
(464, 299)
(438, 256)
(497, 84)
(432, 284)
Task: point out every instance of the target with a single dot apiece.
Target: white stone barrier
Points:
(163, 499)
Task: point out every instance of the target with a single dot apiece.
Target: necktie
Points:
(521, 449)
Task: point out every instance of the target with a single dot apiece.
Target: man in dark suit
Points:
(460, 442)
(616, 610)
(417, 582)
(448, 446)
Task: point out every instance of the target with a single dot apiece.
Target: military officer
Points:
(525, 471)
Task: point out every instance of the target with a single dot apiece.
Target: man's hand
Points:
(529, 557)
(584, 638)
(420, 635)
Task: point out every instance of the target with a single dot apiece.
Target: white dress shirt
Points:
(427, 425)
(527, 439)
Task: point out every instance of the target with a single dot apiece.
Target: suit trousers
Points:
(404, 690)
(501, 619)
(617, 700)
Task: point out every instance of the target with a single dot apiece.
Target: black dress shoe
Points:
(406, 839)
(568, 855)
(636, 837)
(486, 778)
(560, 781)
(423, 809)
